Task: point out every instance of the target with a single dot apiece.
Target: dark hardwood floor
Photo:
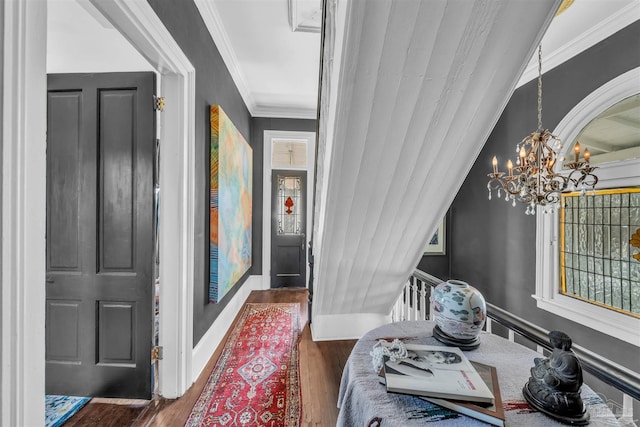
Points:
(321, 365)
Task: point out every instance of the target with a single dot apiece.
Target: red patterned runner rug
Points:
(256, 381)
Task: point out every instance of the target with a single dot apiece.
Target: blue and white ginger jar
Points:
(459, 309)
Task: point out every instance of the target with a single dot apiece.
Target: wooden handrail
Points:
(610, 372)
(613, 374)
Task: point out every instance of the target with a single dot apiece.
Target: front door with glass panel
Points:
(288, 225)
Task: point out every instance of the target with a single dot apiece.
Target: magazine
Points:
(436, 371)
(489, 413)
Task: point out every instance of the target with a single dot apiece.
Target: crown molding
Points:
(285, 112)
(584, 41)
(297, 24)
(211, 17)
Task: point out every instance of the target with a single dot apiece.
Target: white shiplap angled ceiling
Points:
(414, 89)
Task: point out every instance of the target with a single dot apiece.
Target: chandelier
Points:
(532, 181)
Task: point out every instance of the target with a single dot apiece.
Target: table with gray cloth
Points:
(364, 401)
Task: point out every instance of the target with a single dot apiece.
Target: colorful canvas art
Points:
(231, 171)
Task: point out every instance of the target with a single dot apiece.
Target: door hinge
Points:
(156, 353)
(158, 103)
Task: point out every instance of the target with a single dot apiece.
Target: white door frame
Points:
(269, 137)
(23, 214)
(24, 200)
(139, 24)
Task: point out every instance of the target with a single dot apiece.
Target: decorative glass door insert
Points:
(289, 209)
(288, 226)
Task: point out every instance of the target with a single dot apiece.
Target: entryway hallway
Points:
(321, 365)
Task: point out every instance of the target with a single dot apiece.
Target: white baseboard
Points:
(213, 337)
(329, 327)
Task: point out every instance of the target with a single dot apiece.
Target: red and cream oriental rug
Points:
(256, 381)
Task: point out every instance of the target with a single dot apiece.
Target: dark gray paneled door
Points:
(288, 226)
(100, 175)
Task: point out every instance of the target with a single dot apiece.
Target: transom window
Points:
(598, 260)
(288, 153)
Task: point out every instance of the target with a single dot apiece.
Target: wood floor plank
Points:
(321, 365)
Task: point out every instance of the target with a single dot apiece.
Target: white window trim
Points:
(615, 174)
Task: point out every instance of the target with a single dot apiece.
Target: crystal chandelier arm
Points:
(551, 198)
(582, 176)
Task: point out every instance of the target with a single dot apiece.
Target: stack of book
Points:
(444, 376)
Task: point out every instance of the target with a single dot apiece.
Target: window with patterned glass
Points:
(600, 248)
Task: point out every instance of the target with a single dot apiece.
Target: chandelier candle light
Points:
(533, 181)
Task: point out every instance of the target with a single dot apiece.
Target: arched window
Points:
(559, 256)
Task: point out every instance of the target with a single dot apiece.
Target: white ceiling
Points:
(583, 24)
(615, 134)
(81, 40)
(275, 67)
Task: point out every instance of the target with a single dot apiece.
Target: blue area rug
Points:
(60, 408)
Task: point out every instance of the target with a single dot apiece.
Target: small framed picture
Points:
(436, 245)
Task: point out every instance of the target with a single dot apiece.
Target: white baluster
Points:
(415, 299)
(397, 310)
(423, 301)
(627, 410)
(431, 310)
(408, 300)
(394, 311)
(407, 294)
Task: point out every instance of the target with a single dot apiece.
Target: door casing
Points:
(269, 136)
(23, 219)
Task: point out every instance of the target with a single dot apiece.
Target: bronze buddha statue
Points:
(555, 382)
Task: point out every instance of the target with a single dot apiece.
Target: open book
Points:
(436, 371)
(489, 413)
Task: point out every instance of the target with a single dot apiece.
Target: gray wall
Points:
(495, 243)
(214, 85)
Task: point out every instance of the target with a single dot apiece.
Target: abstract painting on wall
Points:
(231, 169)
